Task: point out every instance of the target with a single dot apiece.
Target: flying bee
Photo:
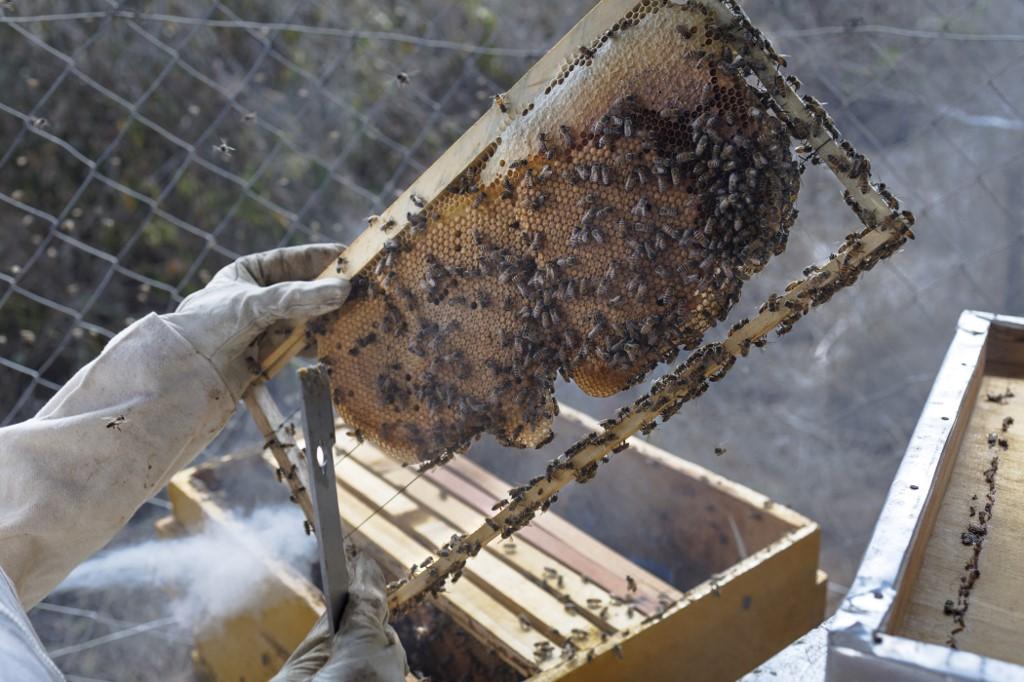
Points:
(224, 148)
(115, 422)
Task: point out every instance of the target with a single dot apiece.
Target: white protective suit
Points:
(70, 478)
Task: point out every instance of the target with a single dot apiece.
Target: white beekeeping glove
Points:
(365, 649)
(243, 299)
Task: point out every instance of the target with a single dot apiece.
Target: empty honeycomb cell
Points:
(608, 228)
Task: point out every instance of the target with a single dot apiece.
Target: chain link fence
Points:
(146, 143)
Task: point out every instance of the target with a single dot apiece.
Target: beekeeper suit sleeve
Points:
(22, 656)
(113, 436)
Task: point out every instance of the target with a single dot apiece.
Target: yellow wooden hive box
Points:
(724, 577)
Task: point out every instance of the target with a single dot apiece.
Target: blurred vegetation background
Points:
(115, 201)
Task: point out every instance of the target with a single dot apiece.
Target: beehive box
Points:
(941, 588)
(724, 577)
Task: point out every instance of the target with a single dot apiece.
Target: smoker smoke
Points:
(208, 577)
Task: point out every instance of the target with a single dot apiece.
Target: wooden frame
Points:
(885, 230)
(887, 626)
(738, 575)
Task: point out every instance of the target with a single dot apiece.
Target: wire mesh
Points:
(146, 143)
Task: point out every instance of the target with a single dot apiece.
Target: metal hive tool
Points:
(611, 222)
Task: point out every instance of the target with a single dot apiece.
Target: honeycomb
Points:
(609, 225)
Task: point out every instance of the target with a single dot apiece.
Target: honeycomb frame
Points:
(886, 228)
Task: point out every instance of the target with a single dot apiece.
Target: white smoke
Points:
(209, 576)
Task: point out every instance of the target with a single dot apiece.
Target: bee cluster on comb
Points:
(611, 223)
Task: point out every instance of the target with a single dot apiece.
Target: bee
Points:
(249, 117)
(542, 651)
(630, 182)
(419, 201)
(545, 149)
(224, 148)
(499, 100)
(702, 146)
(719, 451)
(40, 122)
(115, 422)
(402, 78)
(566, 132)
(631, 583)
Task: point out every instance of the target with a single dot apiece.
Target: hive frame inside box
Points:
(741, 577)
(885, 230)
(860, 643)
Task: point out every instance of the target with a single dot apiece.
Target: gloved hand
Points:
(243, 299)
(365, 649)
